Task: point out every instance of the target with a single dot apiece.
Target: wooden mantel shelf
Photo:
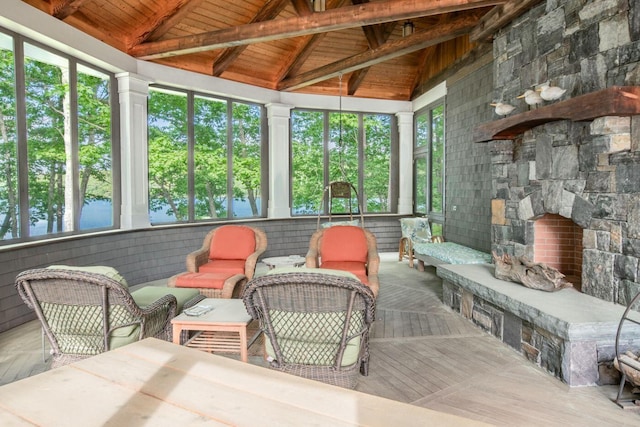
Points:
(613, 101)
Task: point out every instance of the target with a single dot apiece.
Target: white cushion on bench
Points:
(452, 253)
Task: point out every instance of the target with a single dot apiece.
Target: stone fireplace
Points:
(586, 171)
(585, 174)
(571, 164)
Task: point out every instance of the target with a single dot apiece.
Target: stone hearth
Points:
(567, 333)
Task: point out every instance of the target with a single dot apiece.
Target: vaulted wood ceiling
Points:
(286, 45)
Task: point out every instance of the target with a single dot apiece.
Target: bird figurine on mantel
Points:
(550, 93)
(531, 97)
(503, 109)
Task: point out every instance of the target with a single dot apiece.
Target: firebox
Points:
(558, 243)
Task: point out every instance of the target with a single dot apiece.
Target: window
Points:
(205, 157)
(57, 142)
(333, 146)
(428, 165)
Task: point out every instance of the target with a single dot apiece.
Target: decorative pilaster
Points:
(279, 183)
(133, 91)
(405, 190)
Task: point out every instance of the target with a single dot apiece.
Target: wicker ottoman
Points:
(211, 285)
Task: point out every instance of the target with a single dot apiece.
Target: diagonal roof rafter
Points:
(330, 20)
(454, 28)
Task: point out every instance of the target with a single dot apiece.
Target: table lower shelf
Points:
(225, 341)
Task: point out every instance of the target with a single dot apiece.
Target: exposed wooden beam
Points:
(500, 16)
(420, 40)
(376, 36)
(298, 59)
(65, 8)
(164, 19)
(331, 20)
(269, 11)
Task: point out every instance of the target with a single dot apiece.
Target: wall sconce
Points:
(407, 28)
(318, 5)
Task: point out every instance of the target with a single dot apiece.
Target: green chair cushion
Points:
(150, 294)
(110, 272)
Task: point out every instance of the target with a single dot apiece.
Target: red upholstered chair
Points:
(225, 262)
(348, 248)
(232, 249)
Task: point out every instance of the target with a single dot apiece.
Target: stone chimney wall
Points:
(586, 171)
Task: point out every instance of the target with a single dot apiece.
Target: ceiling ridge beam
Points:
(331, 20)
(420, 40)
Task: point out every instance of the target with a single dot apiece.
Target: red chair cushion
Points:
(355, 267)
(225, 266)
(202, 280)
(232, 242)
(343, 243)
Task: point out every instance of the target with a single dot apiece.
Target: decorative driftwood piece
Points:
(532, 275)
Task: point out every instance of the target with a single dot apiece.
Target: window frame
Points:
(191, 96)
(326, 150)
(425, 152)
(23, 205)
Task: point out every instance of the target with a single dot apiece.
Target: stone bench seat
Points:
(568, 333)
(448, 253)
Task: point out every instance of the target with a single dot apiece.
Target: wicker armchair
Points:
(232, 249)
(348, 248)
(316, 323)
(86, 313)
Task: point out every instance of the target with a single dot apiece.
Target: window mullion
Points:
(191, 211)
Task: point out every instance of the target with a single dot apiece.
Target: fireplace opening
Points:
(558, 243)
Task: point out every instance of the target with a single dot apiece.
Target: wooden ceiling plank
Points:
(425, 56)
(420, 40)
(473, 58)
(269, 11)
(500, 16)
(330, 20)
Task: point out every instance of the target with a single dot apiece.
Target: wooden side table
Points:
(222, 330)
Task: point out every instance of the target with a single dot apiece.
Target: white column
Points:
(279, 123)
(133, 91)
(405, 191)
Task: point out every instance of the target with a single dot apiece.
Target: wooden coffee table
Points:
(222, 330)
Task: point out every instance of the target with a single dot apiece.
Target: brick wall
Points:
(558, 243)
